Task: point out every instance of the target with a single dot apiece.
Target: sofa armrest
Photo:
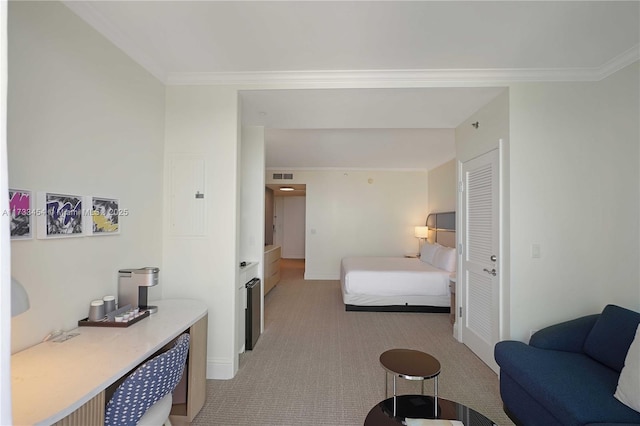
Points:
(568, 336)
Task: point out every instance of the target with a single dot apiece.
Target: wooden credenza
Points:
(271, 267)
(68, 383)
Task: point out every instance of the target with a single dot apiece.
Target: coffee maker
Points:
(133, 285)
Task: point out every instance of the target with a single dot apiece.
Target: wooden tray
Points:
(108, 323)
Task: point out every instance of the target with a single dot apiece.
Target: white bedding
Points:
(379, 281)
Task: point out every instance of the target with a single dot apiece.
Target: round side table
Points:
(410, 365)
(420, 407)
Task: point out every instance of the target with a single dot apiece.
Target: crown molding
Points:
(356, 78)
(349, 78)
(346, 169)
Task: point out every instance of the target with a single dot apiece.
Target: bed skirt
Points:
(372, 303)
(399, 308)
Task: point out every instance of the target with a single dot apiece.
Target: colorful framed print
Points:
(61, 215)
(21, 214)
(105, 215)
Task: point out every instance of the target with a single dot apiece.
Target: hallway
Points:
(291, 269)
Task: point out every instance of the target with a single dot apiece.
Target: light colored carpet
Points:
(316, 364)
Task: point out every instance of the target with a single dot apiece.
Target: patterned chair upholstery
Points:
(148, 384)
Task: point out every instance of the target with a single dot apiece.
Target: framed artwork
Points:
(21, 214)
(61, 215)
(105, 214)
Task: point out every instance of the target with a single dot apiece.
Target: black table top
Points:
(421, 406)
(410, 364)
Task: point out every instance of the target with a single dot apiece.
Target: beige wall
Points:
(571, 160)
(252, 205)
(202, 122)
(573, 185)
(83, 119)
(575, 192)
(360, 213)
(492, 133)
(442, 188)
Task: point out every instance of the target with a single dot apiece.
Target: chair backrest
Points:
(149, 383)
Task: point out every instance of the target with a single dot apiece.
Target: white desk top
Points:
(51, 380)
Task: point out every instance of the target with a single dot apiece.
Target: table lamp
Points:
(421, 233)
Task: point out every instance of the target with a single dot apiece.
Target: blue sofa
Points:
(568, 372)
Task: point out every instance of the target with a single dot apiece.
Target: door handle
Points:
(491, 272)
(493, 258)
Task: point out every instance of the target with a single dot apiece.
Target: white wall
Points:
(251, 228)
(573, 188)
(493, 120)
(443, 188)
(492, 133)
(574, 151)
(360, 213)
(202, 121)
(574, 191)
(278, 220)
(5, 247)
(294, 230)
(84, 119)
(252, 190)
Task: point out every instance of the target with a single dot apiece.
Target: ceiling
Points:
(361, 128)
(299, 190)
(353, 44)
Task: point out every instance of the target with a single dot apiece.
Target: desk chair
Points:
(145, 397)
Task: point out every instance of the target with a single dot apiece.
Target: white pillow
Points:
(629, 381)
(445, 258)
(428, 252)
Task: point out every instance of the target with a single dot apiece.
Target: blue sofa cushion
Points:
(611, 336)
(572, 387)
(566, 336)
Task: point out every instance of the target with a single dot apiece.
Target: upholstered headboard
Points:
(442, 228)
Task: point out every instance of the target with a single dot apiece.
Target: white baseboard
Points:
(324, 277)
(219, 369)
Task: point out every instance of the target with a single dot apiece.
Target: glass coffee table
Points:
(422, 407)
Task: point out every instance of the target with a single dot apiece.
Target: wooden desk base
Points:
(92, 413)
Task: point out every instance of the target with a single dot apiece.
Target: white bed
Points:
(402, 283)
(393, 281)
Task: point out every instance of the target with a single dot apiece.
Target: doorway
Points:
(285, 220)
(480, 276)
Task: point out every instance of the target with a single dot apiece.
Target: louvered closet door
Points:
(480, 251)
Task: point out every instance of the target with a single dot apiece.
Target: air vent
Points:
(283, 176)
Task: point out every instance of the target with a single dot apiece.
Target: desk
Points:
(55, 381)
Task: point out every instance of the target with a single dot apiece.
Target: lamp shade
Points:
(19, 298)
(421, 231)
